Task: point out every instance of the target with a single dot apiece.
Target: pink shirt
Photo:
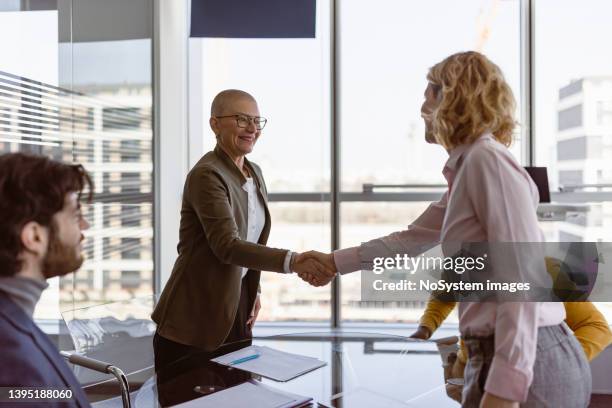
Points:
(491, 198)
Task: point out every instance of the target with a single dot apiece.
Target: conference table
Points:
(366, 366)
(362, 370)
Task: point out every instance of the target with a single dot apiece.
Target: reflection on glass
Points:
(113, 138)
(118, 333)
(86, 98)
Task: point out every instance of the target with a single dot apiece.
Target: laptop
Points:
(539, 175)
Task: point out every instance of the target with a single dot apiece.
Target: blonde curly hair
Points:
(475, 98)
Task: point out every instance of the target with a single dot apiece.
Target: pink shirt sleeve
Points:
(504, 201)
(422, 234)
(347, 260)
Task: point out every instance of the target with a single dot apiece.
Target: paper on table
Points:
(273, 364)
(446, 346)
(364, 398)
(247, 394)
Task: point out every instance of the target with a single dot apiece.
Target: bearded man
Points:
(41, 226)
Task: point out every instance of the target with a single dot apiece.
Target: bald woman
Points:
(212, 297)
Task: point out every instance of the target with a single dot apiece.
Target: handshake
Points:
(314, 267)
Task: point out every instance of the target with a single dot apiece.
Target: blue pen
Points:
(243, 359)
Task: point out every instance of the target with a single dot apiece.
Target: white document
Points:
(364, 398)
(247, 394)
(446, 347)
(273, 364)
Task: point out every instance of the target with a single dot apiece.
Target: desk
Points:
(398, 367)
(395, 366)
(359, 366)
(560, 211)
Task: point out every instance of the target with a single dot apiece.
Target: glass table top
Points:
(364, 369)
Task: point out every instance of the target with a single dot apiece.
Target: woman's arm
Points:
(589, 326)
(434, 315)
(421, 235)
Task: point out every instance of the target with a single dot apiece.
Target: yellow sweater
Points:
(588, 324)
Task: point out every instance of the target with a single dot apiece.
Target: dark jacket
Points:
(28, 358)
(199, 303)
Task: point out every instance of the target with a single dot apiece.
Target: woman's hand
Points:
(454, 391)
(422, 333)
(314, 267)
(492, 401)
(256, 307)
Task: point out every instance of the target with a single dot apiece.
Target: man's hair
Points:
(475, 98)
(224, 98)
(32, 188)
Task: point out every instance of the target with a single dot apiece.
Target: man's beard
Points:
(60, 259)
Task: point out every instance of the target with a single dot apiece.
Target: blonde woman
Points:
(520, 353)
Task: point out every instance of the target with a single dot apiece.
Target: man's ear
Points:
(35, 238)
(214, 125)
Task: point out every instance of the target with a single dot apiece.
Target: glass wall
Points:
(83, 93)
(573, 112)
(290, 80)
(75, 84)
(385, 52)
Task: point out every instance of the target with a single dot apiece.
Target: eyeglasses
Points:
(242, 121)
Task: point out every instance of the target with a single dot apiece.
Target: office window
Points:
(130, 215)
(89, 250)
(130, 182)
(130, 248)
(385, 54)
(572, 149)
(106, 151)
(130, 280)
(78, 91)
(573, 87)
(290, 79)
(106, 216)
(570, 117)
(121, 118)
(130, 151)
(84, 151)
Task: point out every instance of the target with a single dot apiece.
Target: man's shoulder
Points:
(12, 318)
(16, 327)
(17, 345)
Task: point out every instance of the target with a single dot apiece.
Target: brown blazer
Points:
(199, 303)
